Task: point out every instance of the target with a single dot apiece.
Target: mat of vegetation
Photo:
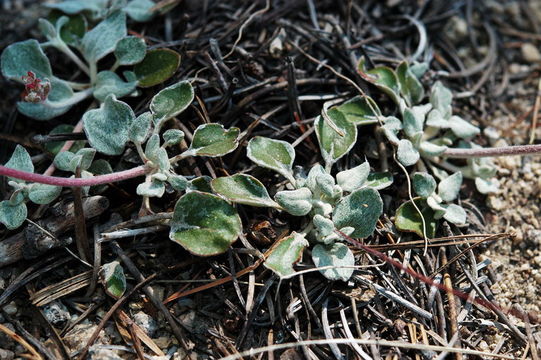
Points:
(270, 179)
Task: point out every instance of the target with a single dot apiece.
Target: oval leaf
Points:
(296, 202)
(107, 128)
(20, 160)
(360, 110)
(213, 140)
(171, 101)
(113, 279)
(12, 216)
(243, 189)
(107, 83)
(337, 255)
(423, 184)
(272, 154)
(332, 144)
(354, 178)
(449, 187)
(406, 153)
(379, 180)
(157, 66)
(407, 218)
(360, 210)
(19, 58)
(285, 253)
(43, 193)
(204, 224)
(102, 39)
(130, 50)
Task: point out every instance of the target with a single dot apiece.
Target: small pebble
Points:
(530, 53)
(6, 354)
(146, 322)
(56, 313)
(11, 308)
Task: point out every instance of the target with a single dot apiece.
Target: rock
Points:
(77, 337)
(56, 313)
(146, 322)
(533, 236)
(11, 308)
(530, 53)
(95, 353)
(6, 354)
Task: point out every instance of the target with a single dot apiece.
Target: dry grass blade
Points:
(126, 322)
(23, 342)
(61, 289)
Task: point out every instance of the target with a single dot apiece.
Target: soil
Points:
(486, 51)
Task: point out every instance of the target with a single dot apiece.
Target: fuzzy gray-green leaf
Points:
(243, 189)
(113, 279)
(102, 39)
(272, 154)
(172, 100)
(19, 58)
(379, 180)
(107, 82)
(12, 216)
(449, 188)
(408, 219)
(360, 110)
(173, 137)
(285, 253)
(462, 128)
(337, 255)
(43, 193)
(130, 50)
(20, 160)
(213, 140)
(352, 179)
(139, 10)
(296, 202)
(107, 128)
(410, 86)
(455, 214)
(360, 210)
(332, 144)
(406, 153)
(204, 224)
(140, 128)
(151, 189)
(424, 184)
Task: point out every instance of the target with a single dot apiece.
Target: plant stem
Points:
(66, 50)
(493, 152)
(60, 181)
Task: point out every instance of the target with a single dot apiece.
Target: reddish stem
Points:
(493, 152)
(60, 181)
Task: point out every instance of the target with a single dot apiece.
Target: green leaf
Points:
(73, 30)
(107, 128)
(360, 210)
(107, 83)
(435, 119)
(204, 224)
(178, 182)
(352, 179)
(47, 29)
(424, 184)
(486, 186)
(359, 110)
(140, 128)
(380, 180)
(449, 188)
(157, 66)
(413, 122)
(102, 39)
(213, 140)
(391, 127)
(383, 77)
(462, 128)
(151, 189)
(337, 255)
(407, 218)
(285, 253)
(54, 146)
(332, 144)
(113, 279)
(19, 58)
(410, 86)
(130, 50)
(201, 183)
(173, 137)
(243, 189)
(12, 216)
(296, 202)
(171, 101)
(140, 10)
(76, 6)
(272, 154)
(430, 149)
(43, 193)
(455, 214)
(20, 160)
(406, 153)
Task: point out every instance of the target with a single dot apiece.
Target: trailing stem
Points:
(493, 152)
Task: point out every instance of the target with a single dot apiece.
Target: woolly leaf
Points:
(285, 253)
(172, 100)
(360, 110)
(12, 216)
(19, 58)
(151, 189)
(130, 50)
(360, 210)
(102, 39)
(204, 224)
(332, 144)
(410, 86)
(383, 77)
(243, 189)
(441, 98)
(337, 255)
(424, 184)
(140, 128)
(449, 188)
(107, 128)
(296, 202)
(59, 101)
(173, 137)
(140, 10)
(107, 82)
(486, 186)
(157, 66)
(406, 153)
(76, 6)
(455, 214)
(272, 154)
(213, 140)
(380, 180)
(20, 160)
(462, 128)
(72, 31)
(43, 193)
